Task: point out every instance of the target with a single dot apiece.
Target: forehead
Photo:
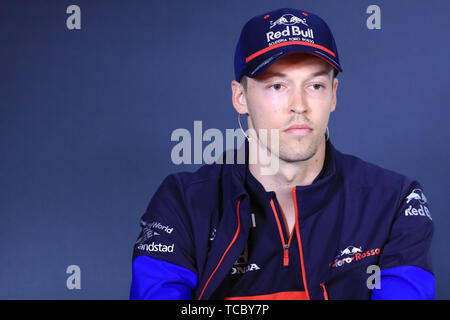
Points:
(298, 62)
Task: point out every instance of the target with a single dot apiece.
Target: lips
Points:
(298, 129)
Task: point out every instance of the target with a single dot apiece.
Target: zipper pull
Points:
(286, 255)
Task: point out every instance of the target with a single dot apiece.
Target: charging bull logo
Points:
(352, 254)
(350, 250)
(416, 194)
(287, 20)
(420, 208)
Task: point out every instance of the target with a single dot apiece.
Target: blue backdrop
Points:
(86, 118)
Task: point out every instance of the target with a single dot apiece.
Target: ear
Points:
(334, 97)
(238, 97)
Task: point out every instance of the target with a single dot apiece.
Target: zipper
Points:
(299, 239)
(286, 255)
(284, 245)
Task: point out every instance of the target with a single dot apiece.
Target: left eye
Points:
(317, 86)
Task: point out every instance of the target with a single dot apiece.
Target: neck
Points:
(290, 174)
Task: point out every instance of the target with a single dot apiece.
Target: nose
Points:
(297, 101)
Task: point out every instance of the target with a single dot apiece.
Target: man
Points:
(312, 229)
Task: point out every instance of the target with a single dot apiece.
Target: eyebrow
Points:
(270, 74)
(320, 73)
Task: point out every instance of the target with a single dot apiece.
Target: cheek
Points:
(321, 107)
(267, 112)
(323, 118)
(276, 100)
(269, 118)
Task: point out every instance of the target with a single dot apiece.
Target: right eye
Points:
(276, 86)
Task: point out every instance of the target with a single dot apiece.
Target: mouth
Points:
(298, 130)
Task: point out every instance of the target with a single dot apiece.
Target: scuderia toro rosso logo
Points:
(292, 31)
(352, 254)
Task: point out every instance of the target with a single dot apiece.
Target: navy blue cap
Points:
(268, 37)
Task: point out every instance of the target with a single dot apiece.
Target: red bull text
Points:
(291, 31)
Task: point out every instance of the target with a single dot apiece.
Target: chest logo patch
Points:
(352, 254)
(242, 265)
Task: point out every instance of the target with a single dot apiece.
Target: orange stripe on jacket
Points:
(286, 295)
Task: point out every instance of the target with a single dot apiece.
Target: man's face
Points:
(296, 90)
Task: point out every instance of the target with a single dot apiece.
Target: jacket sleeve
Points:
(405, 283)
(155, 279)
(163, 258)
(405, 261)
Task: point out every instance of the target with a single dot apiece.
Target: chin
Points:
(294, 152)
(296, 157)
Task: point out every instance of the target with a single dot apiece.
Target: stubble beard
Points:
(302, 149)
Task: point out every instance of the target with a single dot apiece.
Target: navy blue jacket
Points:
(354, 215)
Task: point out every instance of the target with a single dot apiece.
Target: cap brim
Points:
(260, 62)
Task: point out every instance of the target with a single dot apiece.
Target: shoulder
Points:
(368, 174)
(195, 189)
(182, 195)
(375, 181)
(206, 176)
(375, 184)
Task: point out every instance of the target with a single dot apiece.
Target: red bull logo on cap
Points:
(287, 20)
(292, 32)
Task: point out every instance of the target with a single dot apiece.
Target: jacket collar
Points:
(310, 199)
(235, 164)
